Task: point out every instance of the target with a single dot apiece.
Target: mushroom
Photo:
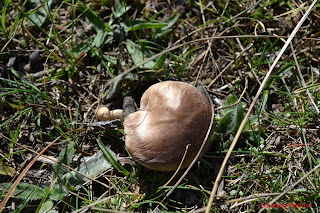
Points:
(172, 116)
(104, 114)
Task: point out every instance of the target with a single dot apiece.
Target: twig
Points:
(253, 103)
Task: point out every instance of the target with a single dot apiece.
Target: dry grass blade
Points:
(176, 172)
(5, 200)
(253, 103)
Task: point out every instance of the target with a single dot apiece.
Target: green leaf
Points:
(92, 167)
(301, 190)
(39, 16)
(265, 96)
(161, 31)
(141, 24)
(119, 8)
(48, 207)
(93, 17)
(6, 170)
(3, 18)
(16, 115)
(232, 99)
(81, 47)
(110, 59)
(99, 25)
(231, 120)
(58, 191)
(43, 205)
(23, 190)
(25, 202)
(116, 86)
(99, 39)
(233, 192)
(27, 83)
(112, 158)
(139, 54)
(250, 122)
(160, 62)
(65, 157)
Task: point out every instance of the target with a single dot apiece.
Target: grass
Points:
(60, 60)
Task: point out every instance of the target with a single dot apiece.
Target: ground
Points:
(61, 60)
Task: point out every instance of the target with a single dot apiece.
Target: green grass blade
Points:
(111, 158)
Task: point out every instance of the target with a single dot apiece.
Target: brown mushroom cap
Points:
(103, 113)
(173, 115)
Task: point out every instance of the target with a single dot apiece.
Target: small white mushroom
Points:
(172, 116)
(104, 114)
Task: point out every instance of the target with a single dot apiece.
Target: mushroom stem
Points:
(128, 106)
(116, 114)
